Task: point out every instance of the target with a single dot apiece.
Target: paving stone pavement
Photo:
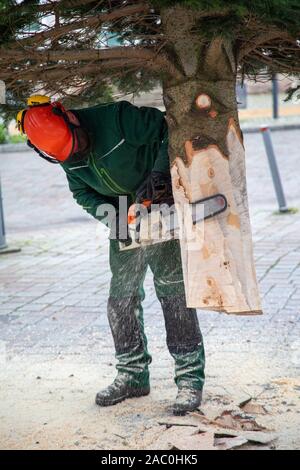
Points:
(53, 309)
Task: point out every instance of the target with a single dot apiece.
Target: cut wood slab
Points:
(232, 428)
(217, 255)
(183, 438)
(234, 420)
(197, 441)
(254, 408)
(227, 443)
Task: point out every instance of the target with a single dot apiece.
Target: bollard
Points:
(2, 227)
(266, 133)
(275, 96)
(4, 249)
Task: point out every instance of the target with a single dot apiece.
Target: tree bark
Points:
(207, 157)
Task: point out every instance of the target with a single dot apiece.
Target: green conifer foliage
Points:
(77, 50)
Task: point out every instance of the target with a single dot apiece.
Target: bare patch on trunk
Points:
(218, 264)
(203, 101)
(203, 104)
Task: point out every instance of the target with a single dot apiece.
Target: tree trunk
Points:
(207, 157)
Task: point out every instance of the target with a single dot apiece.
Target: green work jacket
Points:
(127, 143)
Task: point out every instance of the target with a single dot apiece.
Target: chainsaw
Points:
(149, 223)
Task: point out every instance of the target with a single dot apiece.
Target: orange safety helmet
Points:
(48, 128)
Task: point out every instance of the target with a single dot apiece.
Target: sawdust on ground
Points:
(50, 405)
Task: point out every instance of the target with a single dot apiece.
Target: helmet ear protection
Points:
(57, 109)
(20, 121)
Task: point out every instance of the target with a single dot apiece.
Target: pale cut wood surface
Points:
(218, 263)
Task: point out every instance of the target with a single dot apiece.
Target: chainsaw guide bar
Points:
(162, 224)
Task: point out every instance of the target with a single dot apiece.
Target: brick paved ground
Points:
(56, 350)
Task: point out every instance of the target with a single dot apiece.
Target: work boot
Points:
(119, 390)
(188, 399)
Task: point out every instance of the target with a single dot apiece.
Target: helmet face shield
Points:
(42, 154)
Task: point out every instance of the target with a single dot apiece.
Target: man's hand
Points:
(157, 188)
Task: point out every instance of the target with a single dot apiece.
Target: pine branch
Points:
(49, 55)
(118, 57)
(90, 22)
(50, 6)
(59, 73)
(260, 40)
(275, 64)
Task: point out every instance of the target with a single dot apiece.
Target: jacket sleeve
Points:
(87, 197)
(143, 126)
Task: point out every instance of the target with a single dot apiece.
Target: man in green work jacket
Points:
(114, 150)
